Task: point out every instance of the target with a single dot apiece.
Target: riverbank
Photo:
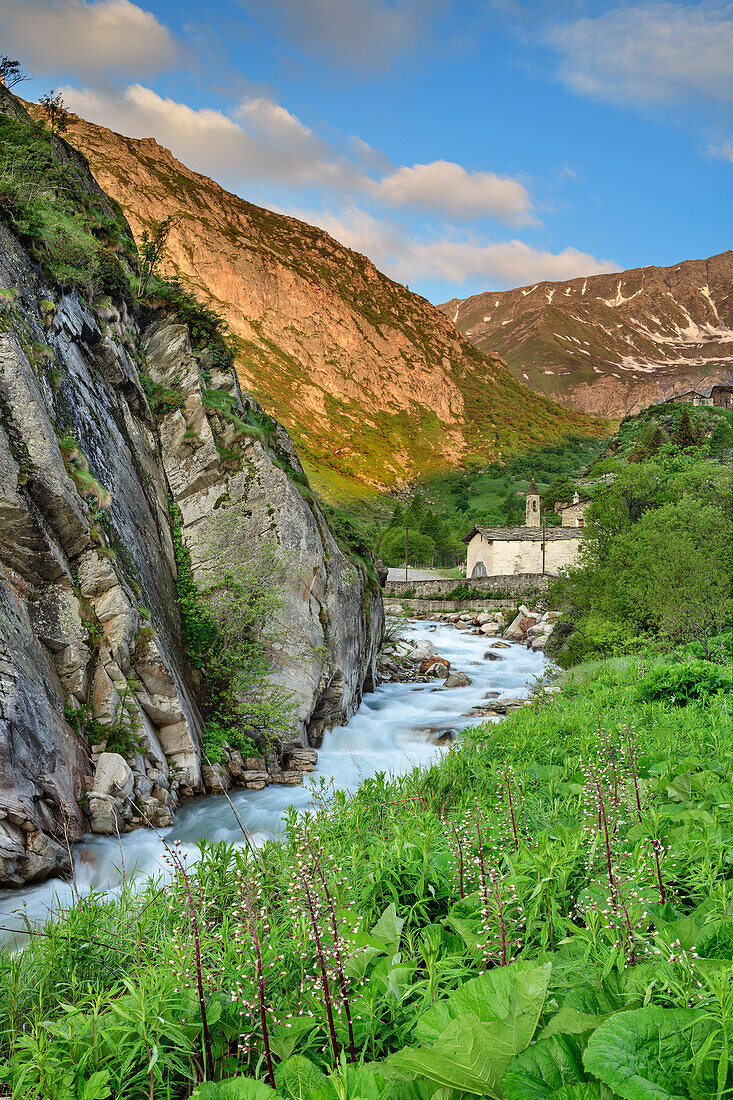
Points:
(397, 727)
(402, 859)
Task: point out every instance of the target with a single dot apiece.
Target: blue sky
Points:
(462, 145)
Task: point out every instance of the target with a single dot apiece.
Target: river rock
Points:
(435, 667)
(457, 679)
(489, 656)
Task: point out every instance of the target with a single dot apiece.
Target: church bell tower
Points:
(532, 511)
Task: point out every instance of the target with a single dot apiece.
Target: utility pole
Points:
(405, 553)
(543, 544)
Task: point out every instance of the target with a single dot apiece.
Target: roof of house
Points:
(572, 504)
(525, 534)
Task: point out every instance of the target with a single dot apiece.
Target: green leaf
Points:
(285, 1038)
(236, 1088)
(568, 1021)
(517, 990)
(388, 930)
(647, 1053)
(296, 1077)
(96, 1088)
(471, 1056)
(539, 1071)
(588, 1091)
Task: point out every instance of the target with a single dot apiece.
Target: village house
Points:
(504, 551)
(571, 515)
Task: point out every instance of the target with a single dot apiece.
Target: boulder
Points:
(113, 776)
(215, 777)
(490, 629)
(422, 649)
(457, 679)
(514, 631)
(434, 666)
(489, 656)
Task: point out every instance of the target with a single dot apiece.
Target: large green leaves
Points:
(518, 990)
(477, 1030)
(648, 1053)
(297, 1078)
(539, 1071)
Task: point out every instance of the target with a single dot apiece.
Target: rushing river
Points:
(394, 730)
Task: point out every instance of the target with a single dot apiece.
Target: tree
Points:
(654, 438)
(560, 492)
(687, 435)
(57, 117)
(397, 519)
(11, 71)
(420, 548)
(151, 248)
(513, 516)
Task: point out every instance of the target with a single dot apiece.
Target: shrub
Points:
(680, 684)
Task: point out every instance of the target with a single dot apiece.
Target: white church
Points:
(504, 551)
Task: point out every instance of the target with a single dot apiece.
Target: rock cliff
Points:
(101, 711)
(612, 344)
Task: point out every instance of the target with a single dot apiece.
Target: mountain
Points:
(611, 344)
(374, 383)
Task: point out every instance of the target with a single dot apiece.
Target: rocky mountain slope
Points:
(118, 447)
(612, 344)
(374, 384)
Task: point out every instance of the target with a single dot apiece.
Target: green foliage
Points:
(44, 199)
(209, 330)
(110, 988)
(681, 683)
(420, 548)
(655, 563)
(230, 631)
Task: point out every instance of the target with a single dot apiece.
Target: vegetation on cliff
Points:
(546, 913)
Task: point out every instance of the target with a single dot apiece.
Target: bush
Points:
(680, 684)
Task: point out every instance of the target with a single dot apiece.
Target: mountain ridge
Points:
(611, 344)
(375, 384)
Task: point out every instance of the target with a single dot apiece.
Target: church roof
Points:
(533, 487)
(525, 534)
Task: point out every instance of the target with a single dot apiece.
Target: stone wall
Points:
(512, 584)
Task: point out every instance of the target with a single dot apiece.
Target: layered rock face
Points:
(92, 655)
(373, 382)
(612, 344)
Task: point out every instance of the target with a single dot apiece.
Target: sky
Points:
(463, 145)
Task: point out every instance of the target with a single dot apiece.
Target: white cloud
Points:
(263, 142)
(650, 54)
(456, 260)
(724, 151)
(360, 33)
(93, 38)
(447, 188)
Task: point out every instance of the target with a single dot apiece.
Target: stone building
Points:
(571, 515)
(508, 551)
